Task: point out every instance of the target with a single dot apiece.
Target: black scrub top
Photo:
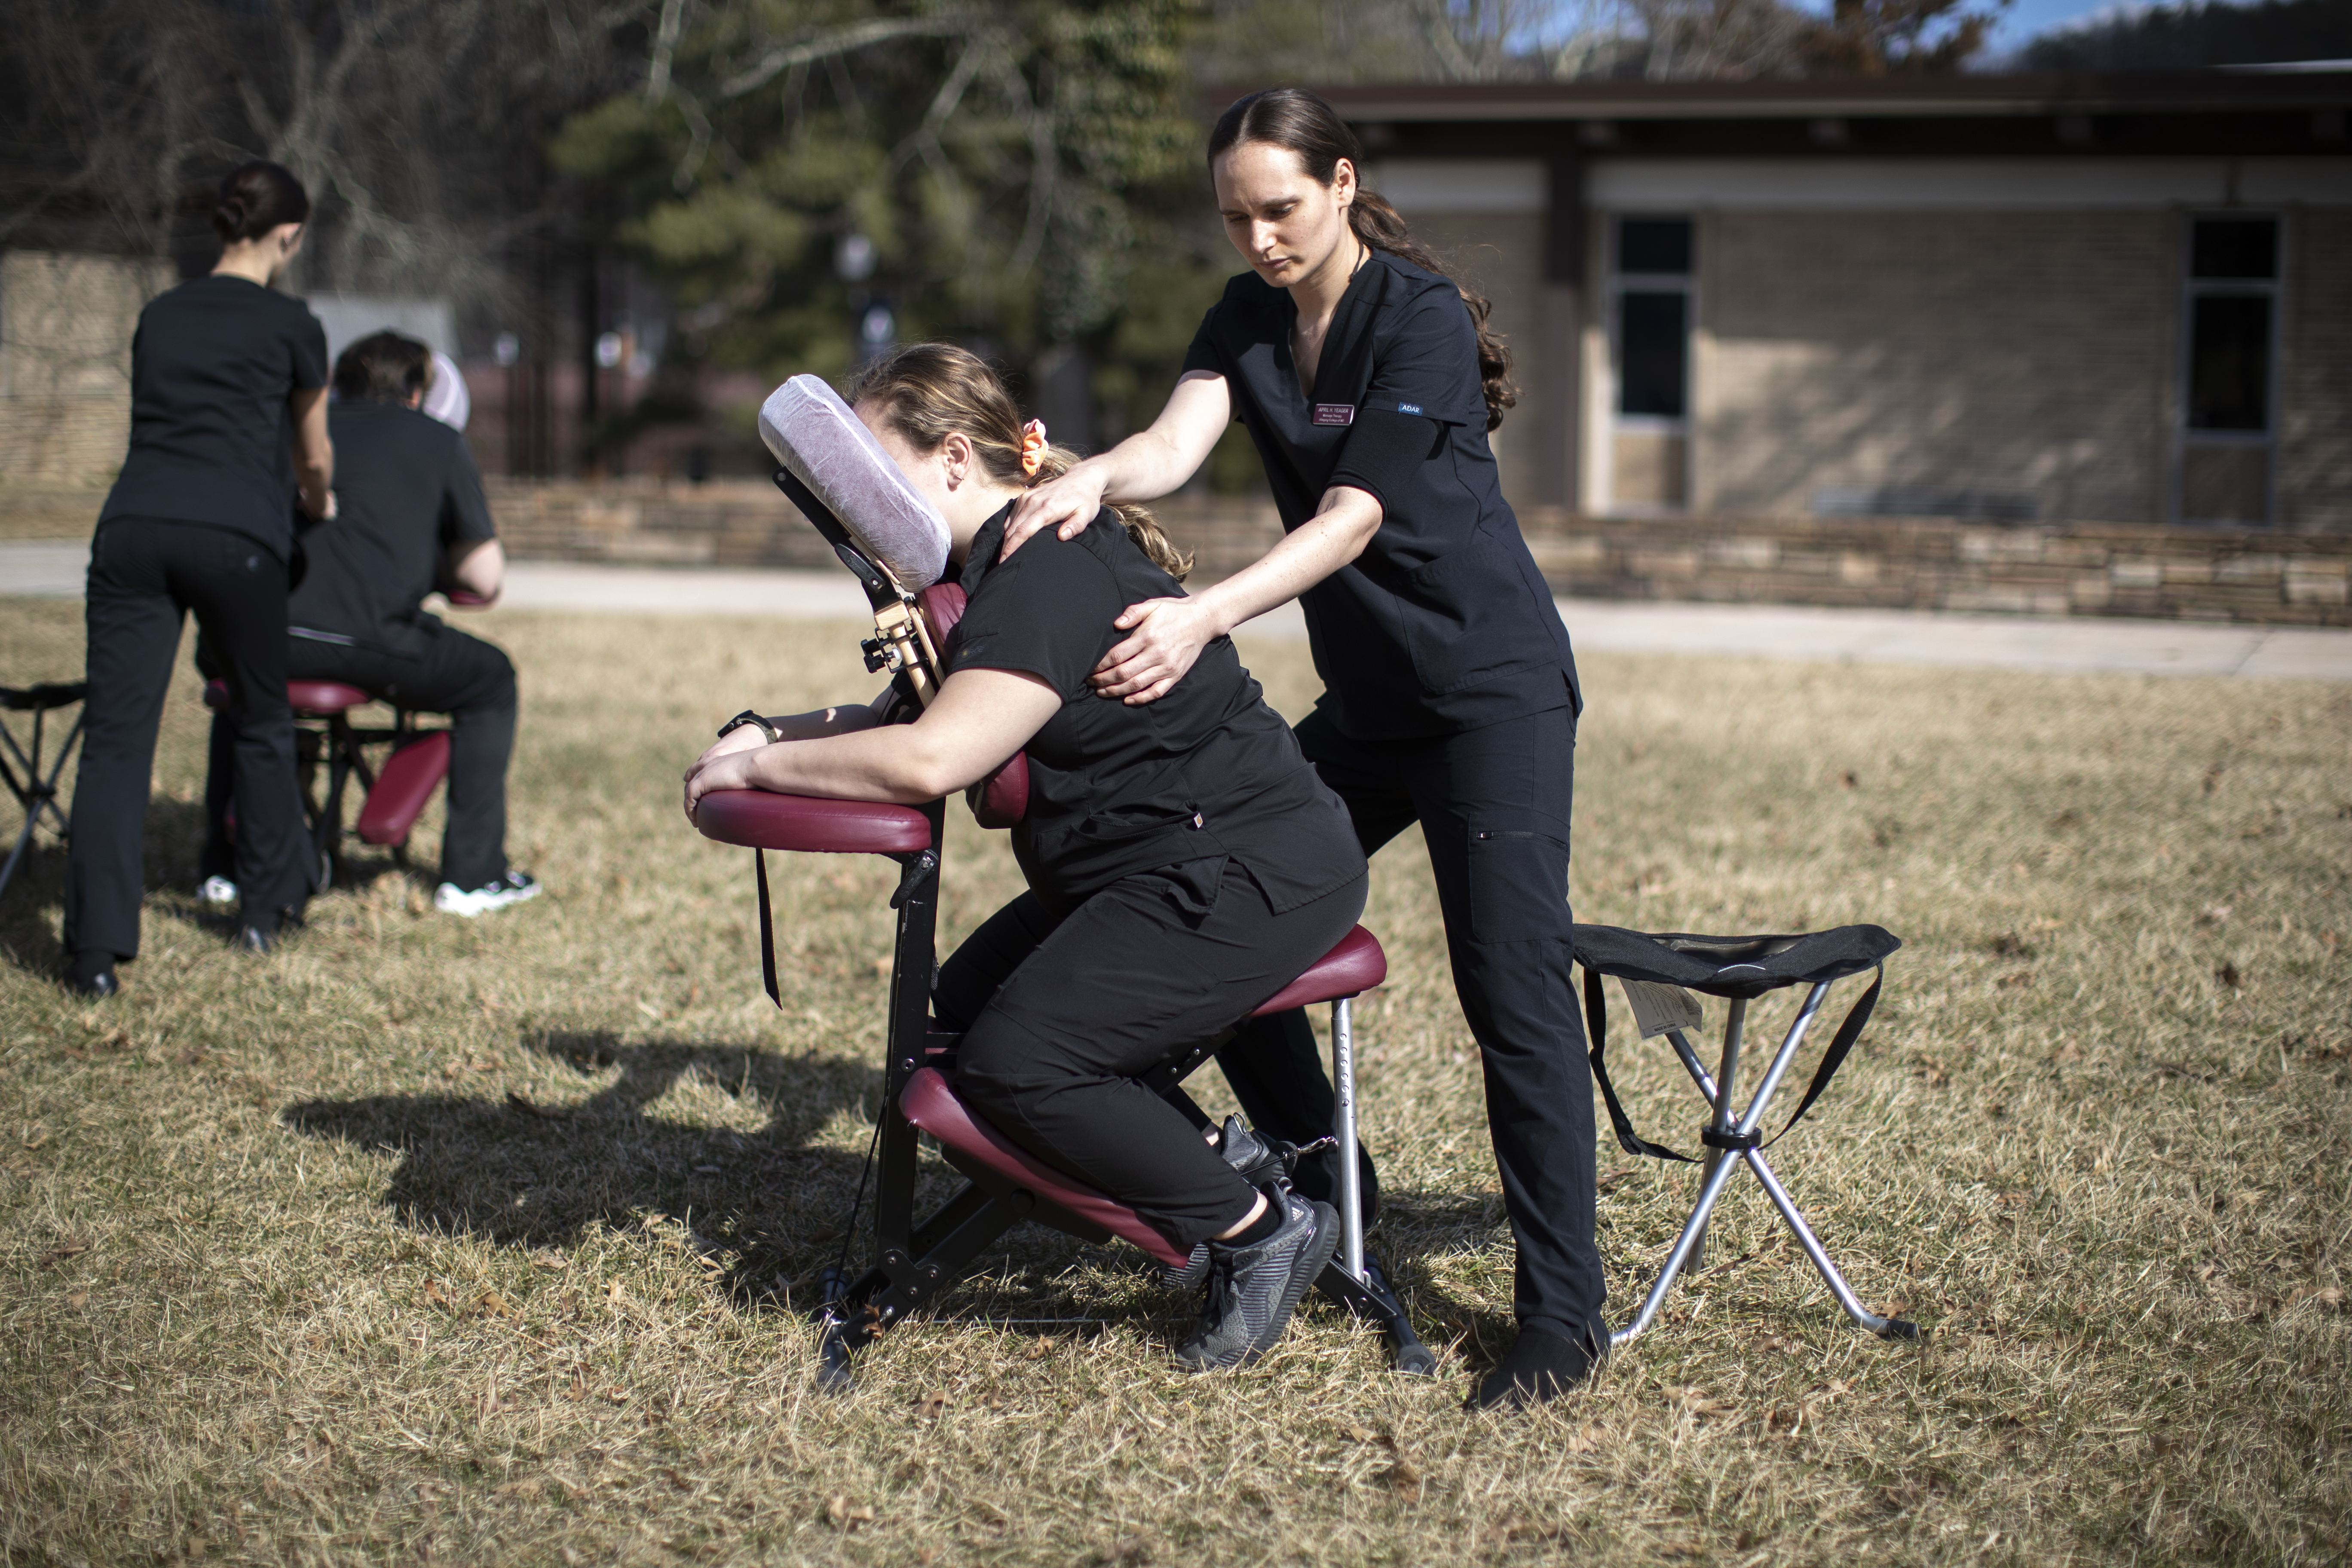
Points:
(1207, 770)
(405, 489)
(212, 365)
(1443, 624)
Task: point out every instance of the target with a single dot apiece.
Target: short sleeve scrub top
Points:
(1443, 624)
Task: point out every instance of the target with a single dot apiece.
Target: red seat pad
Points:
(1353, 967)
(761, 819)
(931, 1103)
(404, 787)
(314, 698)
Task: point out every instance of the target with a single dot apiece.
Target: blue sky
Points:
(2025, 18)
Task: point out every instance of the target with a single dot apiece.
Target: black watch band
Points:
(749, 716)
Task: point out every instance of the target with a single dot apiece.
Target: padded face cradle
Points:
(817, 436)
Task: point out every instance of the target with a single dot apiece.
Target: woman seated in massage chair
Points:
(1184, 861)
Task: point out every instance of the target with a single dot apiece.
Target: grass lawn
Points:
(430, 1240)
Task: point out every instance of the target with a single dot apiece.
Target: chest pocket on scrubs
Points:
(1518, 886)
(1465, 618)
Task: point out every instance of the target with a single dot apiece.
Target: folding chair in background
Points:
(36, 791)
(1659, 972)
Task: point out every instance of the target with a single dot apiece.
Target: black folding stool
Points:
(37, 791)
(1658, 972)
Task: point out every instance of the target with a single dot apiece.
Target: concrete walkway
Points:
(53, 569)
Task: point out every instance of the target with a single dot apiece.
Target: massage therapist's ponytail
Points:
(1293, 118)
(936, 390)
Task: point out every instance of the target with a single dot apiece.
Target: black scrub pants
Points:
(469, 679)
(1061, 1016)
(145, 575)
(1492, 804)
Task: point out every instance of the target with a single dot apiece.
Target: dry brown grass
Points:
(475, 1242)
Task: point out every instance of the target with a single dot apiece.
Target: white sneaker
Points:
(511, 889)
(217, 893)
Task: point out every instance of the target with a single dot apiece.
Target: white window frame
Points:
(2193, 288)
(1613, 422)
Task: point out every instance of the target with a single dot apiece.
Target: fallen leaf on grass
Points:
(2227, 973)
(189, 1057)
(616, 1296)
(490, 1302)
(433, 1296)
(846, 1515)
(1404, 1477)
(1697, 1401)
(2329, 1295)
(528, 1487)
(64, 1250)
(36, 1136)
(932, 1405)
(1042, 1349)
(80, 1299)
(545, 1113)
(1586, 1438)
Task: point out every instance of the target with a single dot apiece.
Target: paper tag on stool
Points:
(1659, 1008)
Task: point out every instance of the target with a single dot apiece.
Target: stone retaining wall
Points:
(2095, 569)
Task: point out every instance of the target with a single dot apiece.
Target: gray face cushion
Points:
(813, 433)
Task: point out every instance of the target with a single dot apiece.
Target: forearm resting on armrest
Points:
(979, 719)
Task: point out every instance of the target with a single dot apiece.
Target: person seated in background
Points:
(412, 520)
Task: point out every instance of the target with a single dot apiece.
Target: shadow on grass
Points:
(528, 1174)
(769, 1205)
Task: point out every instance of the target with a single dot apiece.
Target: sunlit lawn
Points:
(476, 1241)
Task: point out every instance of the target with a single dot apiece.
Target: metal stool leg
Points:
(1353, 1277)
(1885, 1328)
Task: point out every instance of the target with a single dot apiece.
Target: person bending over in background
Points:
(412, 518)
(227, 374)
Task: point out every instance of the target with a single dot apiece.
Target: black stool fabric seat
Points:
(1733, 966)
(44, 694)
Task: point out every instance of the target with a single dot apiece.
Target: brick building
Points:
(2005, 301)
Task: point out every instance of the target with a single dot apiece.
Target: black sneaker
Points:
(1261, 1163)
(1253, 1290)
(511, 888)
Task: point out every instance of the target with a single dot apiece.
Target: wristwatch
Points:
(748, 717)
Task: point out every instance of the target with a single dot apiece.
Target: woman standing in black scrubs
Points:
(1370, 384)
(228, 417)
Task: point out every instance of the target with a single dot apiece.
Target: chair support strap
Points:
(1596, 1025)
(767, 932)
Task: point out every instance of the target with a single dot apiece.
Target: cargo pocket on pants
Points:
(1519, 885)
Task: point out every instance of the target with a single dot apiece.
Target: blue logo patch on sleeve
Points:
(1408, 408)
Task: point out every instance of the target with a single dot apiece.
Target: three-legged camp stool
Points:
(918, 1260)
(36, 791)
(1658, 972)
(393, 795)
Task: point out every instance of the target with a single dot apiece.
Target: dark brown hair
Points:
(936, 390)
(385, 368)
(1295, 118)
(257, 198)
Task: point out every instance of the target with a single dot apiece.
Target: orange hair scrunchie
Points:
(1033, 447)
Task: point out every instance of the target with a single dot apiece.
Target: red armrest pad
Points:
(760, 819)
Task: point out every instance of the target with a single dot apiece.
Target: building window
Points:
(2230, 338)
(1651, 314)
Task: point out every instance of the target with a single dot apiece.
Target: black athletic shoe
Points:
(91, 974)
(1261, 1164)
(1541, 1367)
(1253, 1290)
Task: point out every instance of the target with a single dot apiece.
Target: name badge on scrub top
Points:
(1335, 414)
